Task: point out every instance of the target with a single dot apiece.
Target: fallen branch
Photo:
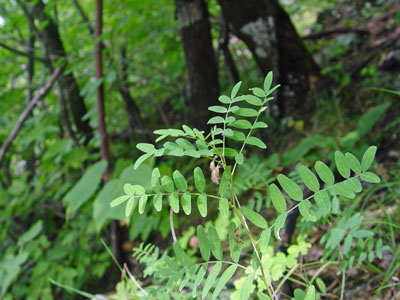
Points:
(24, 115)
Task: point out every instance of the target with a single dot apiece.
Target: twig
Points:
(171, 223)
(24, 115)
(83, 16)
(134, 280)
(321, 34)
(22, 53)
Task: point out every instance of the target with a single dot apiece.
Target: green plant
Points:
(233, 125)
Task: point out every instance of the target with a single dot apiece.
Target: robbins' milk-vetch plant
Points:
(237, 120)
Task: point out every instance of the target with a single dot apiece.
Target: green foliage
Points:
(214, 146)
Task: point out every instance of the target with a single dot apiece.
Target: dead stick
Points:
(24, 115)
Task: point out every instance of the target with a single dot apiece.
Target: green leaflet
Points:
(235, 89)
(323, 201)
(233, 246)
(180, 254)
(370, 177)
(224, 99)
(225, 277)
(218, 109)
(278, 200)
(246, 112)
(242, 124)
(173, 200)
(309, 179)
(129, 206)
(119, 200)
(279, 223)
(368, 158)
(342, 164)
(210, 279)
(262, 296)
(324, 173)
(199, 278)
(204, 244)
(310, 294)
(199, 180)
(180, 181)
(304, 209)
(216, 120)
(155, 176)
(255, 142)
(215, 243)
(145, 147)
(157, 201)
(343, 189)
(239, 158)
(246, 287)
(142, 203)
(202, 204)
(354, 163)
(224, 207)
(253, 100)
(258, 92)
(290, 187)
(167, 184)
(141, 159)
(224, 183)
(254, 217)
(264, 240)
(186, 202)
(268, 82)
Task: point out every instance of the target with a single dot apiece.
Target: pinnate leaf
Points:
(216, 120)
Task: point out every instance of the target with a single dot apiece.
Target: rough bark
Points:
(271, 37)
(50, 38)
(203, 89)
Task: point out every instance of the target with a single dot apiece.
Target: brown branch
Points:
(19, 52)
(83, 16)
(24, 115)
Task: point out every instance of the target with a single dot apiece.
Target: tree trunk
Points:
(203, 89)
(272, 39)
(51, 40)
